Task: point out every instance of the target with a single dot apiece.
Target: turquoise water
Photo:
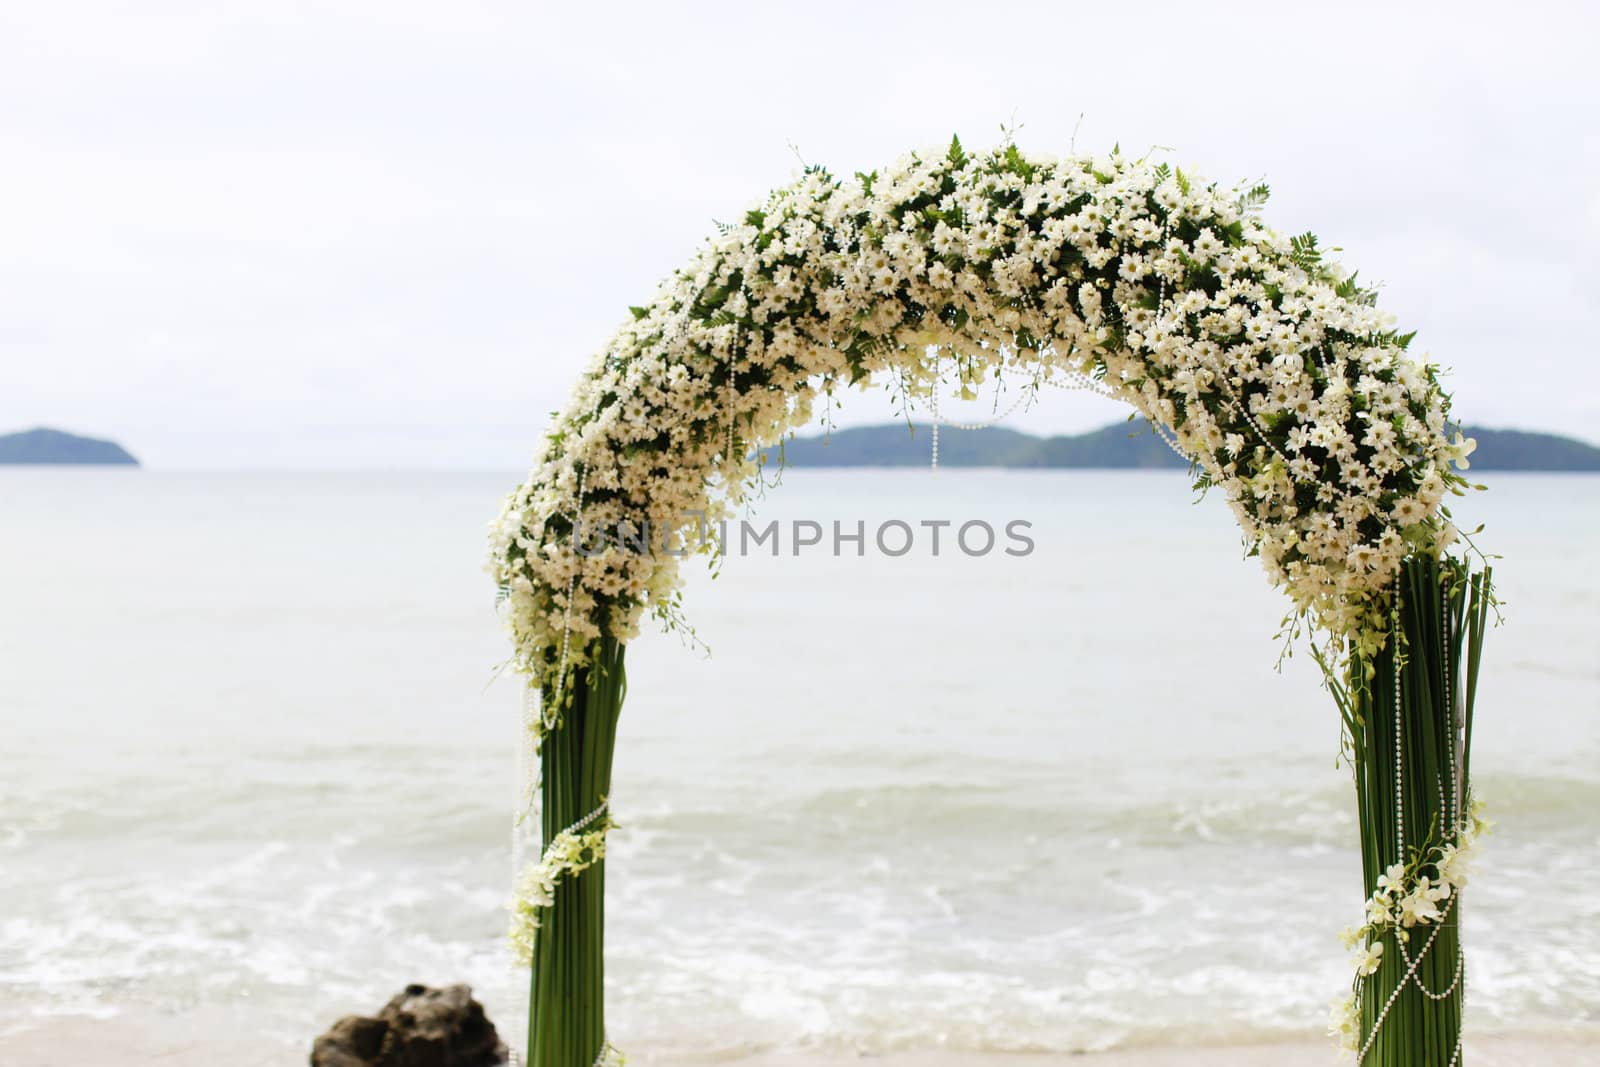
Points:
(251, 757)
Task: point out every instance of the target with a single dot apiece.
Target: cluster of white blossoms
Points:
(1273, 371)
(1406, 897)
(570, 853)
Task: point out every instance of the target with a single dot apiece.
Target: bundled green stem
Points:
(566, 999)
(1408, 712)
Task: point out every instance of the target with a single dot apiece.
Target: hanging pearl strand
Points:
(1171, 442)
(1399, 732)
(1417, 980)
(997, 420)
(552, 715)
(1077, 380)
(728, 406)
(1450, 709)
(1446, 823)
(1446, 813)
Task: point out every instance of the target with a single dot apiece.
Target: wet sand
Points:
(206, 1040)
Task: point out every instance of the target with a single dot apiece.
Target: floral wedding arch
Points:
(1255, 357)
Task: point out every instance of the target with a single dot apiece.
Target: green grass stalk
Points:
(1425, 681)
(566, 992)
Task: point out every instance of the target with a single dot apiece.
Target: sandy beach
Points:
(1488, 1051)
(204, 1040)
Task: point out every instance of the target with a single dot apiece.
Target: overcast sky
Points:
(387, 233)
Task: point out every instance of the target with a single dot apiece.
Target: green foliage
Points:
(1350, 289)
(957, 155)
(1017, 163)
(1305, 254)
(1254, 198)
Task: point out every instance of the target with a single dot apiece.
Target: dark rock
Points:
(421, 1027)
(354, 1041)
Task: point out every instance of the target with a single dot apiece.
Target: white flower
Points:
(1455, 864)
(1421, 905)
(1344, 1023)
(1206, 246)
(1408, 510)
(1369, 959)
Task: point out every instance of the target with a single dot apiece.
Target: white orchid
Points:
(1344, 1023)
(570, 853)
(1421, 905)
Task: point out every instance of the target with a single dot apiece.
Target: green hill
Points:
(1519, 450)
(44, 446)
(1122, 445)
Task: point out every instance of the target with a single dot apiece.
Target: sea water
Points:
(253, 759)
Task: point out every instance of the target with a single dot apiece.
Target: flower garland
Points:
(1252, 355)
(1268, 366)
(570, 853)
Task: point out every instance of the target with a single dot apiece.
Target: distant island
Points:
(43, 446)
(1125, 445)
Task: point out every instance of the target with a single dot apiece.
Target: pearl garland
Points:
(552, 715)
(1450, 709)
(1075, 380)
(997, 420)
(1399, 734)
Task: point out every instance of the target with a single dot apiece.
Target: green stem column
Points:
(1413, 716)
(566, 997)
